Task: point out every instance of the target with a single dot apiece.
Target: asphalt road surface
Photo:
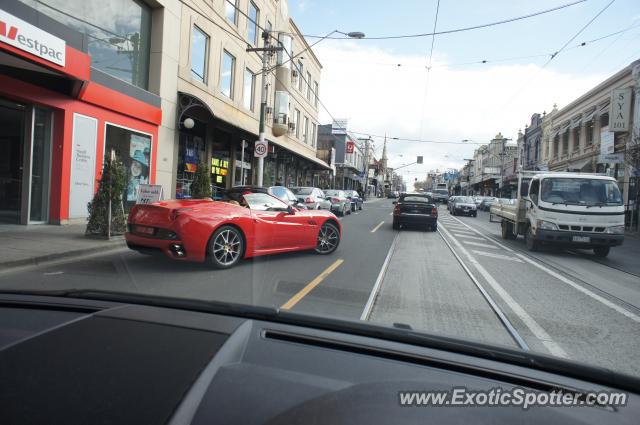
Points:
(461, 281)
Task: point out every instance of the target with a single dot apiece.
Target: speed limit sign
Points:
(260, 149)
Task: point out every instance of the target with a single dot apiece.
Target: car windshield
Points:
(580, 191)
(300, 138)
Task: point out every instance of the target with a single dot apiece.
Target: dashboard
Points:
(77, 361)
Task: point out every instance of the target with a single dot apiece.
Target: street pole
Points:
(267, 51)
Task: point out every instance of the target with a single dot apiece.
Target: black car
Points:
(356, 200)
(415, 208)
(280, 192)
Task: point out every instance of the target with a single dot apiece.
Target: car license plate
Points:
(144, 229)
(586, 239)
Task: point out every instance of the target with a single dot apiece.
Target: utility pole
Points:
(366, 167)
(267, 51)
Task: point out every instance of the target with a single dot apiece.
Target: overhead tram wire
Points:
(555, 54)
(491, 24)
(426, 83)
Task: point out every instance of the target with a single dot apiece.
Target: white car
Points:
(312, 197)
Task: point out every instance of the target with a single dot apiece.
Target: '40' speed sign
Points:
(260, 149)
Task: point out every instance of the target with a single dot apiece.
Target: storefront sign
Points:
(83, 164)
(606, 141)
(24, 36)
(620, 109)
(611, 158)
(260, 148)
(148, 193)
(350, 146)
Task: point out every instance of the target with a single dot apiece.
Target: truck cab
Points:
(576, 210)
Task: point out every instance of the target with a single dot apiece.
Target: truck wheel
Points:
(532, 244)
(601, 251)
(504, 232)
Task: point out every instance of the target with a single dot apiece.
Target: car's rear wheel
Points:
(601, 251)
(226, 247)
(328, 239)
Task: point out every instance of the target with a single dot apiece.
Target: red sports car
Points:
(248, 223)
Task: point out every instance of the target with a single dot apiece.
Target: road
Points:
(461, 281)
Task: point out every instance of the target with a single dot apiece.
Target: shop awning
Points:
(579, 165)
(565, 126)
(555, 132)
(588, 116)
(576, 121)
(604, 108)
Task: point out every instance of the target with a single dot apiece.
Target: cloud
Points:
(476, 102)
(302, 5)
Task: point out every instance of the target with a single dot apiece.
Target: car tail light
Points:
(309, 200)
(396, 210)
(434, 212)
(335, 200)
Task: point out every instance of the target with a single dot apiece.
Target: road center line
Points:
(563, 279)
(377, 227)
(529, 321)
(315, 282)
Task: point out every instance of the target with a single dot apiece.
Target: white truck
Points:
(576, 210)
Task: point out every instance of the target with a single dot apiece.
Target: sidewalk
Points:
(36, 244)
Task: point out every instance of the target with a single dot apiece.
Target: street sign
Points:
(260, 149)
(148, 193)
(620, 109)
(611, 158)
(350, 146)
(419, 160)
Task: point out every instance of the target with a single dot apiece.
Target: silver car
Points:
(340, 204)
(464, 205)
(312, 197)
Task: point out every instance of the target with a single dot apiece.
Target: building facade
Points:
(349, 156)
(72, 94)
(487, 165)
(531, 154)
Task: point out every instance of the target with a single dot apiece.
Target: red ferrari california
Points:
(247, 223)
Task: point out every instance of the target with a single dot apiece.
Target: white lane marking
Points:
(498, 256)
(506, 248)
(529, 321)
(52, 273)
(484, 245)
(391, 213)
(376, 287)
(460, 235)
(377, 227)
(568, 281)
(463, 232)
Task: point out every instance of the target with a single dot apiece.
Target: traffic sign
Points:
(260, 149)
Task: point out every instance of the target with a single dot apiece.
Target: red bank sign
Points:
(350, 146)
(24, 36)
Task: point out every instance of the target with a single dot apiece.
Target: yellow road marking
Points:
(315, 282)
(377, 227)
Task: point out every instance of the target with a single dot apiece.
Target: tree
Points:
(111, 188)
(201, 185)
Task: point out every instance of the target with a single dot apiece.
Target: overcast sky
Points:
(362, 82)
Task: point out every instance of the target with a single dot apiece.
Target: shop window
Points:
(242, 174)
(220, 164)
(133, 149)
(119, 33)
(199, 49)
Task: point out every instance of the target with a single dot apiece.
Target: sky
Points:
(455, 100)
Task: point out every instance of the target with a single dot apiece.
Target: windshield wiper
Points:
(597, 204)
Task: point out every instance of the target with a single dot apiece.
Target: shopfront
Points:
(59, 118)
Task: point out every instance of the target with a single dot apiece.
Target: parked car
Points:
(417, 209)
(356, 200)
(478, 200)
(340, 205)
(464, 205)
(393, 194)
(486, 203)
(313, 197)
(287, 196)
(251, 223)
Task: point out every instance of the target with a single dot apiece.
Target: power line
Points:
(404, 139)
(426, 83)
(504, 21)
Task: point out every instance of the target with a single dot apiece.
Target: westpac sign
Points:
(24, 36)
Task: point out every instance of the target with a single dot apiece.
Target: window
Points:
(248, 95)
(252, 24)
(305, 130)
(230, 10)
(269, 26)
(565, 143)
(133, 149)
(314, 130)
(589, 132)
(308, 83)
(119, 33)
(264, 202)
(315, 93)
(199, 49)
(580, 191)
(296, 120)
(300, 74)
(533, 191)
(576, 139)
(227, 74)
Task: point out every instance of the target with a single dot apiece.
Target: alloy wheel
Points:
(328, 239)
(226, 247)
